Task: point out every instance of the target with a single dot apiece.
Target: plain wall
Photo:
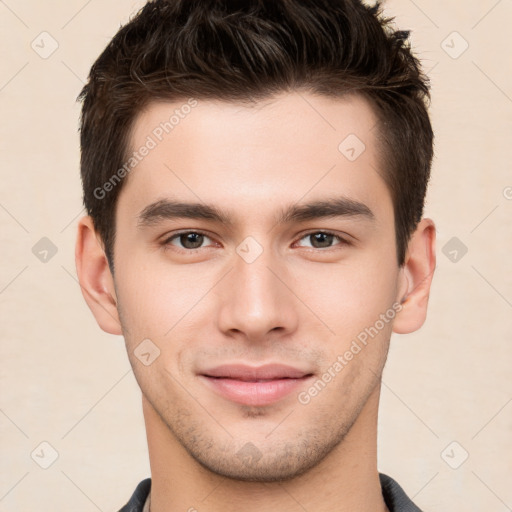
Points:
(67, 383)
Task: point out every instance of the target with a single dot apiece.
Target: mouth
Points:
(254, 386)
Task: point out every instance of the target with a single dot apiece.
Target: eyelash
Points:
(167, 242)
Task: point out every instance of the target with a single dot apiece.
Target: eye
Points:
(323, 239)
(187, 240)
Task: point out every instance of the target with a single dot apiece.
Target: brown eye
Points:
(188, 240)
(322, 239)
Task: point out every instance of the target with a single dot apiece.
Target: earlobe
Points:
(95, 278)
(416, 279)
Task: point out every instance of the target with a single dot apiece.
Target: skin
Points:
(298, 303)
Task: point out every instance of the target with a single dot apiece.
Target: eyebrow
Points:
(167, 209)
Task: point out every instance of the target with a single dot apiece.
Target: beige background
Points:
(67, 383)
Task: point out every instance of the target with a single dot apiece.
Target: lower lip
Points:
(254, 393)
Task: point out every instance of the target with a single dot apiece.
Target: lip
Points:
(255, 386)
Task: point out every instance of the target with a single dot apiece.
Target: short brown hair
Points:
(248, 50)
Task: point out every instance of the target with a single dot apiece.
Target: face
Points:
(255, 266)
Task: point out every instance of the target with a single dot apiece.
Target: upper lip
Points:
(265, 372)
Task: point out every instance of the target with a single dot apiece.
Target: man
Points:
(254, 174)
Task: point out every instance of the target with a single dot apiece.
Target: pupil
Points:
(192, 240)
(324, 239)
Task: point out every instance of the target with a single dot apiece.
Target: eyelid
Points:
(342, 240)
(167, 240)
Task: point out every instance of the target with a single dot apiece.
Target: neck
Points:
(346, 479)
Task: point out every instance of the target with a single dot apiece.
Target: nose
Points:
(257, 300)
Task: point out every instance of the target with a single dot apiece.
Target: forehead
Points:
(256, 157)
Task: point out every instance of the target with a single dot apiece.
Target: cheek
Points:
(348, 297)
(155, 299)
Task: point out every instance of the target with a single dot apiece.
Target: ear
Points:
(95, 278)
(415, 278)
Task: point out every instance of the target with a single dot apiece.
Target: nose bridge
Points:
(255, 301)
